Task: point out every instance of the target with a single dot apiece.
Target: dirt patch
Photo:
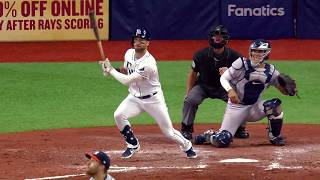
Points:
(61, 153)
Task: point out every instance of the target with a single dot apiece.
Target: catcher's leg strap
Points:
(129, 136)
(274, 114)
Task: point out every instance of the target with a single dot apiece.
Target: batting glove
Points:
(106, 66)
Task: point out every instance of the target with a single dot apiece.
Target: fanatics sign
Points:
(268, 19)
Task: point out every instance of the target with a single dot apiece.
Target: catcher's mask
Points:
(221, 31)
(259, 51)
(140, 32)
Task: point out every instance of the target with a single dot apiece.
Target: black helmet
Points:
(223, 32)
(140, 32)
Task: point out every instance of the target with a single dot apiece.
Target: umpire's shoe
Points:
(186, 131)
(191, 154)
(278, 141)
(241, 133)
(129, 152)
(187, 135)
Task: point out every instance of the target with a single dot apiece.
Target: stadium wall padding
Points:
(166, 19)
(192, 20)
(308, 19)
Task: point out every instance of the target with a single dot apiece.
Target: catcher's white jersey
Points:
(146, 66)
(249, 83)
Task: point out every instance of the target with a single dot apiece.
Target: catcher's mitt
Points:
(288, 84)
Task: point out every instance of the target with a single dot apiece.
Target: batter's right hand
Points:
(233, 96)
(106, 65)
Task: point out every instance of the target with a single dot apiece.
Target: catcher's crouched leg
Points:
(274, 114)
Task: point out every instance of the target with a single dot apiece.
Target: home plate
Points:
(238, 160)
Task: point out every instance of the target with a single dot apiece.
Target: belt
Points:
(147, 96)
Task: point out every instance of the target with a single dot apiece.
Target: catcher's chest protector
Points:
(256, 81)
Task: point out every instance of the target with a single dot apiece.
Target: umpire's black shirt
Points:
(207, 64)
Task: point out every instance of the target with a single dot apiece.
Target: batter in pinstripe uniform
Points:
(245, 81)
(145, 95)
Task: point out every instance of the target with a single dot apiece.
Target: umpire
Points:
(204, 78)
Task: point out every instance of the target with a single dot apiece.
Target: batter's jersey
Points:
(207, 64)
(146, 66)
(250, 82)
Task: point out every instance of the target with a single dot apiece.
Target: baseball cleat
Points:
(186, 131)
(278, 141)
(187, 135)
(191, 154)
(241, 133)
(129, 152)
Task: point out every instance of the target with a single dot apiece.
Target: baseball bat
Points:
(96, 33)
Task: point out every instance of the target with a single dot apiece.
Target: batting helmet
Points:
(140, 32)
(221, 31)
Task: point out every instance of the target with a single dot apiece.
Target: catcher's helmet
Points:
(261, 48)
(218, 30)
(140, 32)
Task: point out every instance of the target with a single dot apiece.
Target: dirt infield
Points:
(60, 154)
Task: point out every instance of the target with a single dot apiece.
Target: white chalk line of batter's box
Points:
(117, 169)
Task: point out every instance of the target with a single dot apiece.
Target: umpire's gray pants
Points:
(195, 97)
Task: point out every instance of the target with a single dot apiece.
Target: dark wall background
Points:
(308, 19)
(191, 19)
(166, 19)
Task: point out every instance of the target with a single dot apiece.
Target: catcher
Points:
(245, 81)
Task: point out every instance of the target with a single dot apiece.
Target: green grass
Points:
(37, 96)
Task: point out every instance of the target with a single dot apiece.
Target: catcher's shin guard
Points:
(274, 114)
(221, 139)
(129, 136)
(205, 137)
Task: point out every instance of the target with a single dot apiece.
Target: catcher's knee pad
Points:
(274, 113)
(272, 109)
(222, 139)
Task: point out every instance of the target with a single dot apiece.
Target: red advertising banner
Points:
(52, 20)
